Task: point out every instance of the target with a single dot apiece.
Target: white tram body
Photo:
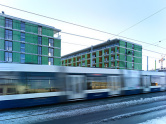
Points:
(23, 85)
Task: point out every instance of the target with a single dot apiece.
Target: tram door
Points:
(75, 86)
(146, 83)
(162, 83)
(114, 83)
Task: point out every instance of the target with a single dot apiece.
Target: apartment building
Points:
(115, 54)
(24, 41)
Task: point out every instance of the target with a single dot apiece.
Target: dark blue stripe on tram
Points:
(28, 102)
(97, 95)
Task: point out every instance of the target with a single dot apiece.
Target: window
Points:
(51, 42)
(126, 64)
(40, 40)
(117, 56)
(39, 50)
(132, 46)
(125, 51)
(8, 35)
(22, 47)
(132, 59)
(22, 36)
(23, 26)
(22, 58)
(8, 23)
(50, 61)
(133, 65)
(8, 56)
(39, 60)
(8, 45)
(51, 51)
(125, 44)
(125, 58)
(40, 30)
(133, 53)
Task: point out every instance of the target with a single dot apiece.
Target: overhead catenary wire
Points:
(142, 20)
(89, 46)
(77, 24)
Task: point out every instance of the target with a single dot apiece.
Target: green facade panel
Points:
(2, 53)
(47, 31)
(129, 65)
(30, 38)
(129, 52)
(16, 46)
(122, 57)
(57, 61)
(29, 48)
(103, 59)
(2, 44)
(137, 47)
(137, 66)
(122, 43)
(137, 54)
(2, 33)
(57, 52)
(137, 60)
(2, 21)
(129, 58)
(16, 24)
(32, 59)
(122, 64)
(16, 57)
(97, 61)
(17, 35)
(45, 41)
(31, 28)
(44, 51)
(129, 45)
(57, 43)
(122, 50)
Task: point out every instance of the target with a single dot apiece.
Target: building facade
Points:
(23, 41)
(115, 54)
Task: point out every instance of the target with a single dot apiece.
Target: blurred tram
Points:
(23, 85)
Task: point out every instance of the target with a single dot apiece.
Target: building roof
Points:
(98, 45)
(24, 20)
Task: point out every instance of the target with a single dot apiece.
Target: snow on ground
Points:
(126, 115)
(37, 116)
(161, 120)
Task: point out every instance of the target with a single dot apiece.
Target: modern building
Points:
(24, 41)
(116, 54)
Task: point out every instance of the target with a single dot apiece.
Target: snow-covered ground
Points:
(161, 120)
(60, 112)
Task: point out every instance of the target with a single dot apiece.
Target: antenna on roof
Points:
(3, 12)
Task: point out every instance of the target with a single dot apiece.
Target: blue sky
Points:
(111, 16)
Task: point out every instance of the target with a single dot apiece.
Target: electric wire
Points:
(77, 24)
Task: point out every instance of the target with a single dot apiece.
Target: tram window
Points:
(96, 83)
(43, 82)
(155, 80)
(1, 90)
(11, 90)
